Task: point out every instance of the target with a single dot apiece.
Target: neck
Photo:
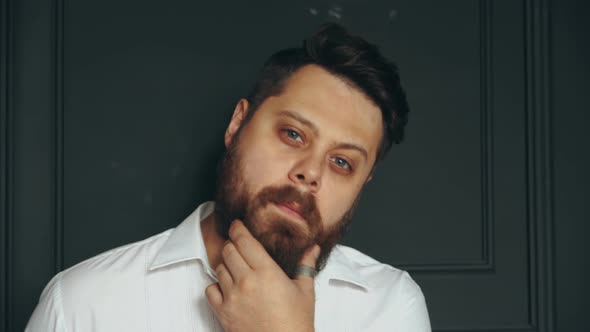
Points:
(213, 240)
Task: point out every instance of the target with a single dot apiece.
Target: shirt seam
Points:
(124, 247)
(147, 296)
(409, 304)
(59, 302)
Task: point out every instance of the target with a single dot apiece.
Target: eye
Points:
(293, 135)
(341, 163)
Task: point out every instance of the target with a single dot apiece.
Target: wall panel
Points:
(31, 222)
(6, 149)
(113, 111)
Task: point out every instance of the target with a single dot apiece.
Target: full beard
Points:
(285, 240)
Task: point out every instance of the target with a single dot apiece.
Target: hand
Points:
(255, 294)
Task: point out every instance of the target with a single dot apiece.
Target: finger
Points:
(234, 262)
(249, 248)
(309, 258)
(224, 277)
(214, 296)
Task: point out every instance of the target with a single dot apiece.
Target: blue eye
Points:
(293, 135)
(341, 163)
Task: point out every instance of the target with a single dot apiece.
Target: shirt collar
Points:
(341, 268)
(186, 243)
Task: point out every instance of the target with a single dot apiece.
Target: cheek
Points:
(263, 168)
(335, 201)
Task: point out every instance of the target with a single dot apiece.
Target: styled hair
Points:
(350, 58)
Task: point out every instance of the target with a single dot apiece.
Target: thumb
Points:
(309, 258)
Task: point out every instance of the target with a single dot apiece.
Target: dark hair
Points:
(350, 58)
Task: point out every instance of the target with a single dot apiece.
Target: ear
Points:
(370, 177)
(236, 121)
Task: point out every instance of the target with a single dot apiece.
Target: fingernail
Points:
(316, 251)
(232, 227)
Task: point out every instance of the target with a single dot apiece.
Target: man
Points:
(300, 149)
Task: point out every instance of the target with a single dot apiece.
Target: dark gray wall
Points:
(112, 114)
(571, 161)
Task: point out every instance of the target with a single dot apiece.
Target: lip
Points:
(290, 210)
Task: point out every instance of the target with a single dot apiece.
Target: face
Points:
(293, 173)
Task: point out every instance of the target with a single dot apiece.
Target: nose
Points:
(307, 173)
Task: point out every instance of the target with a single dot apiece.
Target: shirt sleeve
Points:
(48, 315)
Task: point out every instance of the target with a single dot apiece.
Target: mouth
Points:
(290, 209)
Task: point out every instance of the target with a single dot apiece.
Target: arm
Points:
(415, 315)
(48, 315)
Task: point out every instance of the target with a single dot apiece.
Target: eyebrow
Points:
(314, 128)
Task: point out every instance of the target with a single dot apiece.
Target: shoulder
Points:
(376, 274)
(119, 269)
(389, 297)
(86, 290)
(125, 257)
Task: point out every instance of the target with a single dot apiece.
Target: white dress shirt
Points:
(158, 284)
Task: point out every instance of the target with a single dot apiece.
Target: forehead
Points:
(339, 110)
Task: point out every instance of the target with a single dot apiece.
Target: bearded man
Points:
(264, 256)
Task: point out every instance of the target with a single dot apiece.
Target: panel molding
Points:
(58, 139)
(486, 263)
(539, 157)
(6, 164)
(539, 175)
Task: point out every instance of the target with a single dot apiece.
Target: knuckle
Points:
(210, 290)
(230, 297)
(247, 285)
(227, 249)
(241, 241)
